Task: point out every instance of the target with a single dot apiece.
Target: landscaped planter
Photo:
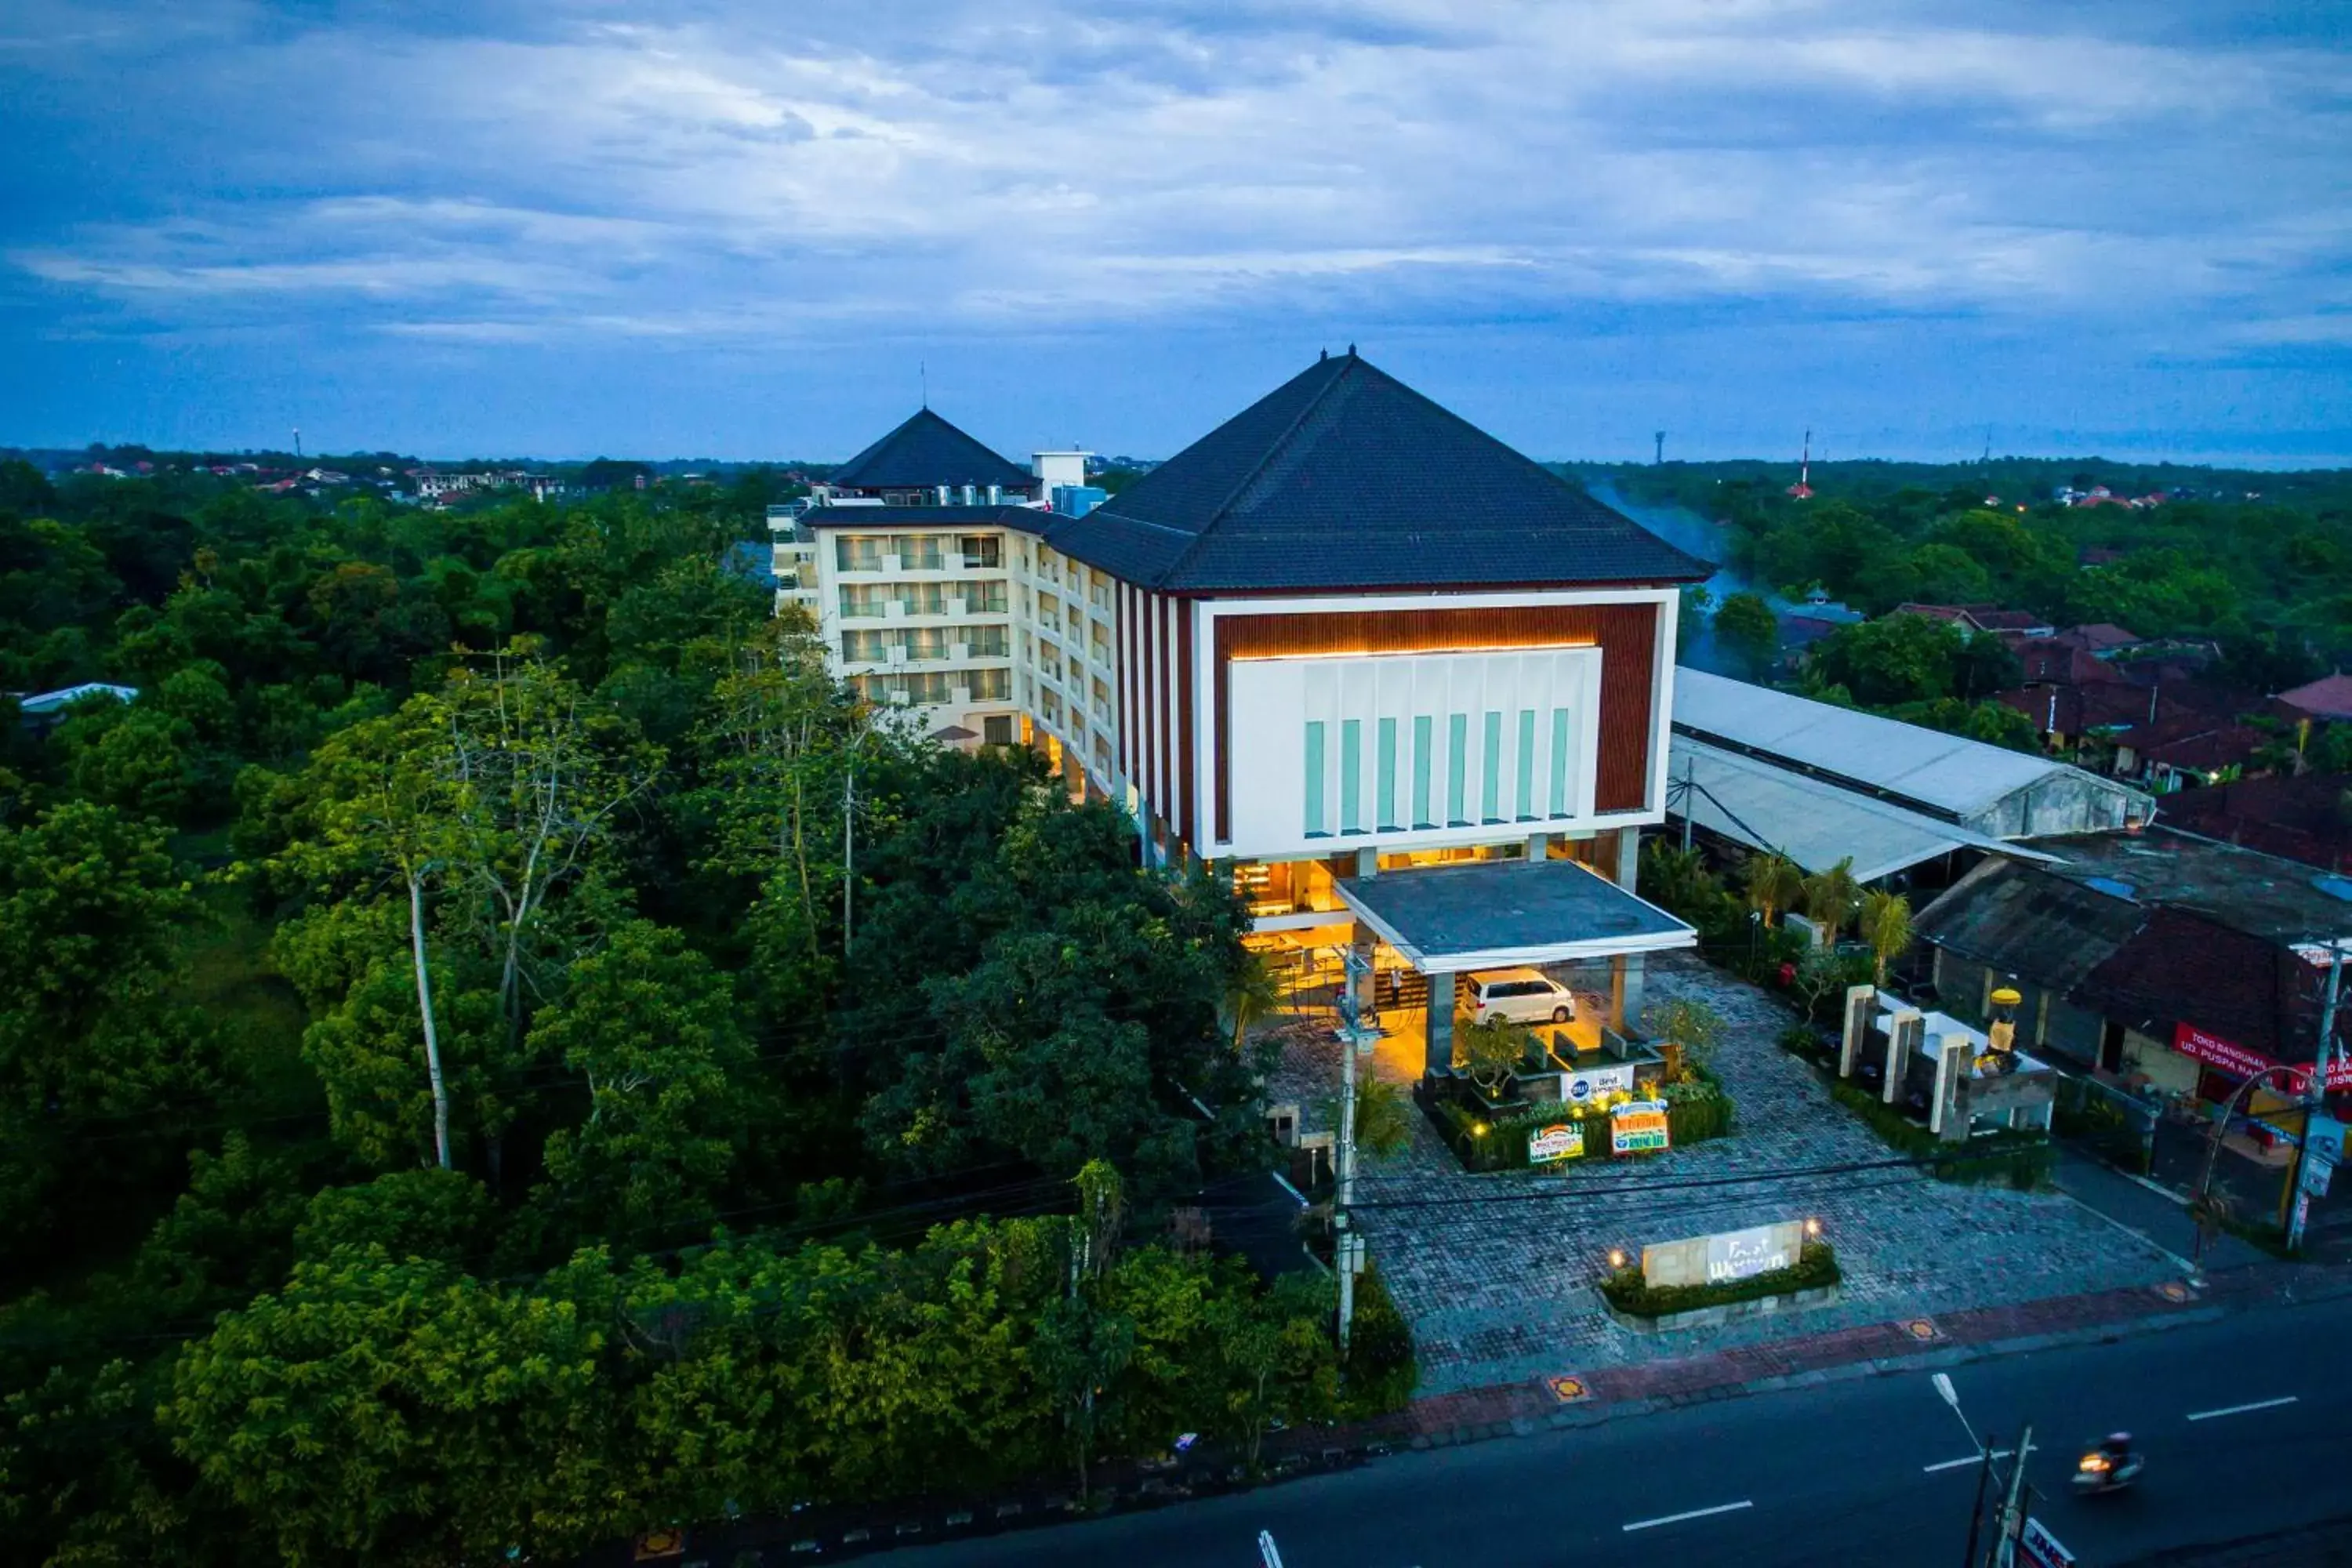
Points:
(1730, 1312)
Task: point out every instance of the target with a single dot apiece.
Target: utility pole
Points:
(1355, 970)
(848, 847)
(2012, 1514)
(1976, 1515)
(1690, 787)
(2314, 1103)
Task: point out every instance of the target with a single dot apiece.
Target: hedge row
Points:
(2023, 1159)
(1626, 1290)
(1695, 1112)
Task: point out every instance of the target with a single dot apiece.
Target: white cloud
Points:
(962, 166)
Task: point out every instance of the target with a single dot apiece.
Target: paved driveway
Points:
(1495, 1273)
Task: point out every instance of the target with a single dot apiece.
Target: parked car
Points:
(1520, 995)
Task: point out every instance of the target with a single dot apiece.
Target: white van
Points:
(1520, 995)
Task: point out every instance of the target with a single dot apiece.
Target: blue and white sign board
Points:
(2040, 1548)
(1584, 1088)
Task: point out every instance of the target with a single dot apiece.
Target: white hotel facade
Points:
(1341, 643)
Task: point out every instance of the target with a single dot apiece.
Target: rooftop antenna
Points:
(1659, 456)
(1988, 451)
(923, 372)
(298, 440)
(1805, 463)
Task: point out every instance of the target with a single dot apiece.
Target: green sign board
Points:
(1560, 1140)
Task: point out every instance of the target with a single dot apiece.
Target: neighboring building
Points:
(2328, 700)
(41, 711)
(2307, 819)
(2161, 959)
(1945, 782)
(2006, 624)
(1342, 634)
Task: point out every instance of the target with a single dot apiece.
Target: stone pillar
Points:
(1438, 1057)
(1860, 1002)
(1946, 1117)
(1539, 846)
(1902, 1036)
(1629, 856)
(1367, 862)
(1624, 990)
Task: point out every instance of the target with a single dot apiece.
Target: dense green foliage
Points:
(455, 1101)
(2260, 563)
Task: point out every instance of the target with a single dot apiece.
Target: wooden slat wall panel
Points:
(1626, 634)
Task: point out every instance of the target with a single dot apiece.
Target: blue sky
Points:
(737, 229)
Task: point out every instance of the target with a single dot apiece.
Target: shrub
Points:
(1380, 1370)
(1695, 1112)
(1626, 1290)
(2022, 1158)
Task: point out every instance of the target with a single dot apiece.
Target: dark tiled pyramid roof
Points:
(1343, 477)
(926, 451)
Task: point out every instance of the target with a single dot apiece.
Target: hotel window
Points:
(1316, 826)
(1422, 764)
(918, 552)
(858, 552)
(1384, 775)
(987, 642)
(989, 685)
(1526, 801)
(985, 599)
(863, 648)
(1560, 761)
(981, 552)
(1457, 770)
(1490, 772)
(1351, 773)
(996, 730)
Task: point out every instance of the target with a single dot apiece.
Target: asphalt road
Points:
(2238, 1419)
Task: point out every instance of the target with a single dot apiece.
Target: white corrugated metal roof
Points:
(1809, 820)
(1946, 771)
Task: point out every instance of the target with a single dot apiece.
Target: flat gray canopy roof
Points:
(1491, 914)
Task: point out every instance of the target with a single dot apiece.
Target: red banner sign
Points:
(2214, 1051)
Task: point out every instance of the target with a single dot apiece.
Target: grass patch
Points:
(1626, 1290)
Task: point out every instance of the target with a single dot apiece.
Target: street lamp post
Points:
(1984, 1465)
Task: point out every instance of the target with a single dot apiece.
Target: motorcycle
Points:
(2111, 1467)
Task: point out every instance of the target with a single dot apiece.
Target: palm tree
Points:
(1773, 884)
(1252, 992)
(1886, 927)
(1673, 878)
(1831, 896)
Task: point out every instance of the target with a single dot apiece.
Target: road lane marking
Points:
(1971, 1459)
(2247, 1409)
(1695, 1514)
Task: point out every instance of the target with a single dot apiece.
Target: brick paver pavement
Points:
(1495, 1273)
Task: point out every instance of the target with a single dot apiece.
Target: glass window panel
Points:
(1352, 769)
(1315, 822)
(1527, 781)
(1384, 775)
(1560, 761)
(1490, 774)
(1422, 764)
(1457, 769)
